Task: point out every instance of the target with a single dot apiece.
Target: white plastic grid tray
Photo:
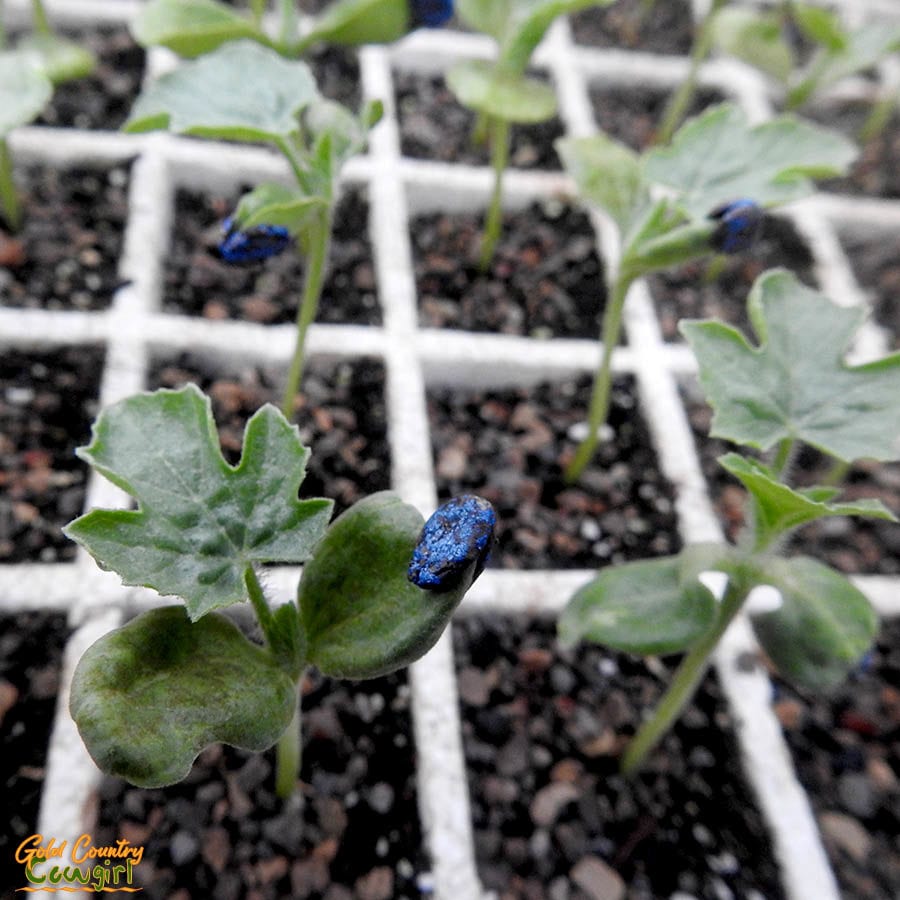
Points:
(133, 329)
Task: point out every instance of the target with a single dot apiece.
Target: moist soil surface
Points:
(546, 279)
(199, 282)
(700, 290)
(433, 125)
(340, 412)
(876, 264)
(67, 254)
(851, 545)
(846, 748)
(543, 729)
(31, 649)
(628, 25)
(350, 833)
(510, 447)
(47, 402)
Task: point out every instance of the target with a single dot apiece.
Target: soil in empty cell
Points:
(31, 649)
(47, 402)
(662, 27)
(876, 264)
(719, 287)
(546, 279)
(340, 413)
(104, 99)
(336, 70)
(851, 545)
(352, 830)
(434, 125)
(847, 756)
(510, 446)
(631, 115)
(67, 254)
(199, 282)
(543, 729)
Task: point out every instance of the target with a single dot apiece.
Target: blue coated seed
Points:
(430, 13)
(458, 534)
(254, 244)
(739, 226)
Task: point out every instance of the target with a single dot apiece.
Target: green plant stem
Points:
(685, 682)
(879, 115)
(258, 8)
(599, 406)
(41, 22)
(2, 28)
(9, 199)
(836, 474)
(320, 234)
(784, 457)
(289, 756)
(260, 604)
(288, 29)
(680, 101)
(494, 221)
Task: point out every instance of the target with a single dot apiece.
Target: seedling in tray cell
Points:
(790, 389)
(702, 195)
(377, 590)
(245, 92)
(28, 74)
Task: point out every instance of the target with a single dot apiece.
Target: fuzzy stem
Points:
(9, 199)
(599, 407)
(879, 115)
(258, 8)
(289, 756)
(784, 457)
(494, 221)
(684, 684)
(306, 312)
(41, 22)
(260, 604)
(288, 30)
(836, 474)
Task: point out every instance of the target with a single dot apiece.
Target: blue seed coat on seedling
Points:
(739, 226)
(458, 534)
(430, 13)
(254, 244)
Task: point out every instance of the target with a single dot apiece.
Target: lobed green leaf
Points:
(504, 95)
(756, 37)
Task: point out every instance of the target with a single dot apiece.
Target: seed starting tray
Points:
(416, 358)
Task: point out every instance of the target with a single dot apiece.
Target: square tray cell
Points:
(543, 728)
(719, 289)
(546, 279)
(352, 830)
(851, 545)
(637, 25)
(48, 399)
(199, 282)
(876, 265)
(67, 254)
(847, 756)
(31, 648)
(510, 446)
(434, 125)
(340, 412)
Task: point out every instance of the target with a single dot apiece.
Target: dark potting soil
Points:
(876, 171)
(104, 99)
(546, 279)
(340, 412)
(851, 545)
(846, 748)
(48, 399)
(67, 255)
(337, 74)
(543, 728)
(698, 291)
(31, 649)
(199, 282)
(630, 25)
(632, 115)
(510, 446)
(876, 264)
(352, 831)
(434, 125)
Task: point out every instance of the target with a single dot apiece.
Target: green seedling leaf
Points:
(353, 22)
(509, 96)
(345, 133)
(641, 607)
(239, 92)
(820, 25)
(275, 204)
(24, 91)
(795, 384)
(718, 157)
(779, 508)
(823, 627)
(362, 616)
(288, 639)
(756, 38)
(61, 60)
(201, 522)
(148, 697)
(192, 27)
